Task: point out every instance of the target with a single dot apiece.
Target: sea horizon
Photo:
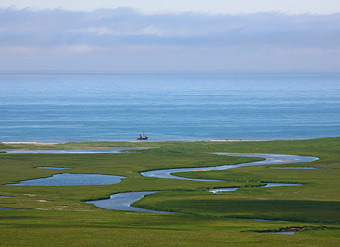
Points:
(82, 107)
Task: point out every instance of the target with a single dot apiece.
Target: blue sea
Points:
(63, 107)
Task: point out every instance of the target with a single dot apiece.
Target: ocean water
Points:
(118, 107)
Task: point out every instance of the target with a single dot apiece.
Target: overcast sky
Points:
(207, 6)
(188, 36)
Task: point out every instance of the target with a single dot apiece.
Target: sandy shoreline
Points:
(213, 140)
(35, 143)
(124, 149)
(55, 143)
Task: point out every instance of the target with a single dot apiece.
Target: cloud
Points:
(179, 37)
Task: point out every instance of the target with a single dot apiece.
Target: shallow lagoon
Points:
(72, 179)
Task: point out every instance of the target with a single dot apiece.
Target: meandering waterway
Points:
(123, 201)
(270, 159)
(267, 185)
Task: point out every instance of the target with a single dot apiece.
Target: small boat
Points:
(142, 137)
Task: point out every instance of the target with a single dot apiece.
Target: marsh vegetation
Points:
(59, 214)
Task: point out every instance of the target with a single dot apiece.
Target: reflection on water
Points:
(123, 201)
(219, 190)
(271, 220)
(270, 159)
(279, 185)
(72, 179)
(287, 233)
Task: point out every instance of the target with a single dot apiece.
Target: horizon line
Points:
(103, 71)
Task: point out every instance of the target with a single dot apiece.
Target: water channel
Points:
(123, 201)
(270, 159)
(115, 202)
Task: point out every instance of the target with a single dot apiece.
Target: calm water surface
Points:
(268, 185)
(73, 151)
(118, 107)
(72, 179)
(123, 201)
(270, 159)
(287, 233)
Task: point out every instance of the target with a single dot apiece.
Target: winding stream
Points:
(268, 185)
(123, 201)
(270, 159)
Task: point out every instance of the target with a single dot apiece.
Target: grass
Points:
(58, 215)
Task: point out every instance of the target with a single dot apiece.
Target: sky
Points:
(167, 36)
(166, 6)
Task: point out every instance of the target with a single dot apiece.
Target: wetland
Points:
(201, 218)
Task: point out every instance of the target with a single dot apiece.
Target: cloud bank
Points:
(125, 39)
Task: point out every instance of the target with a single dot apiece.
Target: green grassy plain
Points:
(58, 216)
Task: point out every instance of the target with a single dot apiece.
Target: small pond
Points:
(72, 179)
